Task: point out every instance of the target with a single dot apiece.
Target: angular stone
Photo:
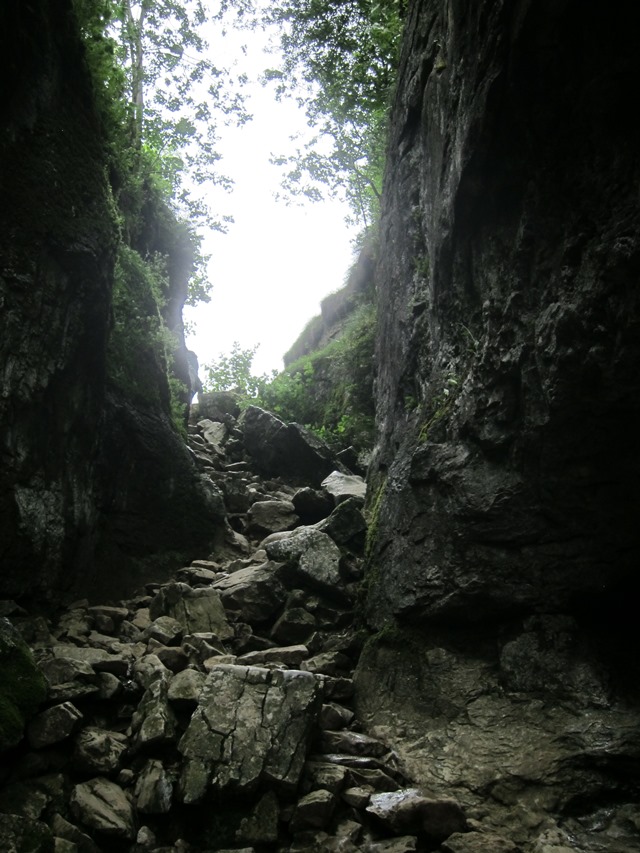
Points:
(73, 691)
(116, 614)
(291, 656)
(53, 725)
(62, 828)
(319, 774)
(196, 610)
(271, 517)
(141, 620)
(359, 766)
(357, 798)
(99, 659)
(337, 688)
(154, 789)
(215, 434)
(102, 805)
(148, 669)
(63, 670)
(154, 721)
(329, 663)
(409, 811)
(175, 659)
(312, 505)
(255, 591)
(353, 743)
(97, 751)
(216, 406)
(261, 825)
(284, 449)
(376, 779)
(251, 724)
(199, 647)
(312, 558)
(195, 575)
(164, 629)
(295, 625)
(184, 688)
(108, 685)
(343, 486)
(346, 525)
(335, 717)
(313, 811)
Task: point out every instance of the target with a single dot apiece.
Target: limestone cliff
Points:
(504, 544)
(508, 347)
(91, 479)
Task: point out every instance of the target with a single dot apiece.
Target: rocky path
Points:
(213, 712)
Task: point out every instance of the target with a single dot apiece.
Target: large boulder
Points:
(251, 725)
(255, 591)
(197, 610)
(285, 449)
(312, 558)
(103, 806)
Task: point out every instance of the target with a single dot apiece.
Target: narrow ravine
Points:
(214, 711)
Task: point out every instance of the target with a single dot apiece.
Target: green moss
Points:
(22, 687)
(331, 390)
(373, 518)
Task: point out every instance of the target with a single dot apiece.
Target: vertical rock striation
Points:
(503, 543)
(508, 381)
(90, 480)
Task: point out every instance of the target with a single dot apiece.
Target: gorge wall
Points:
(504, 544)
(93, 480)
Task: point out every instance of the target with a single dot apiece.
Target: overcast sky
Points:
(276, 263)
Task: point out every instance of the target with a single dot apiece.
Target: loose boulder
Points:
(251, 725)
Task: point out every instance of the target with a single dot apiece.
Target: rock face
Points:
(503, 538)
(508, 351)
(77, 504)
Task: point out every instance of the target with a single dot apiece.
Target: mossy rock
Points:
(22, 687)
(25, 835)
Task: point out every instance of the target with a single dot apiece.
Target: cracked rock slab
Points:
(102, 805)
(251, 725)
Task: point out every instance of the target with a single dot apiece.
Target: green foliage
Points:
(373, 517)
(331, 390)
(440, 406)
(160, 99)
(233, 373)
(141, 347)
(339, 62)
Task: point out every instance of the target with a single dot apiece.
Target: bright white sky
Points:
(277, 262)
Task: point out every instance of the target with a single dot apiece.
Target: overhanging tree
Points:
(339, 61)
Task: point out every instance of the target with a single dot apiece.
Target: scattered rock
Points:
(409, 811)
(343, 486)
(102, 805)
(313, 811)
(97, 751)
(255, 591)
(53, 725)
(154, 789)
(271, 517)
(251, 724)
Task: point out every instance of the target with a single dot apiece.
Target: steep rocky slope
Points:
(93, 479)
(504, 545)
